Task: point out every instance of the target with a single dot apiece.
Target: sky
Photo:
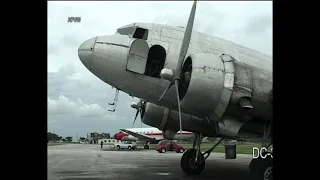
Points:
(78, 101)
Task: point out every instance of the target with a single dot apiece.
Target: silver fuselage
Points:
(107, 58)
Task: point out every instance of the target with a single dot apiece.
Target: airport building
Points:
(93, 138)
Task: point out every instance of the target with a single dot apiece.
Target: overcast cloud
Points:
(78, 101)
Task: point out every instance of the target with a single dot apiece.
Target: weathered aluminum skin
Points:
(256, 85)
(168, 121)
(206, 84)
(165, 119)
(251, 71)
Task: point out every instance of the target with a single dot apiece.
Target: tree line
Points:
(52, 137)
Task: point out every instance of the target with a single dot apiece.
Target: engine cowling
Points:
(206, 84)
(168, 120)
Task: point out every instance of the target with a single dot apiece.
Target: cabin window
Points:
(141, 33)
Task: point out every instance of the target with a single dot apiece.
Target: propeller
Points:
(168, 74)
(140, 106)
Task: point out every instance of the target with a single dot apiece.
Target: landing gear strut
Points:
(261, 168)
(146, 146)
(193, 160)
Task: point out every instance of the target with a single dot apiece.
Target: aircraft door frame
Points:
(137, 56)
(164, 44)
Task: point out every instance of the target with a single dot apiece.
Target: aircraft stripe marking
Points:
(159, 134)
(113, 44)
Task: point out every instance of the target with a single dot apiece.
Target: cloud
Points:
(63, 106)
(259, 24)
(77, 100)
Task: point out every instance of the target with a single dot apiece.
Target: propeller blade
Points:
(186, 39)
(135, 117)
(165, 91)
(141, 113)
(178, 98)
(183, 51)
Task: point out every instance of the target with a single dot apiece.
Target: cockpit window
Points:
(126, 31)
(141, 33)
(137, 32)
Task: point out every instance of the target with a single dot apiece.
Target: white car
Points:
(126, 145)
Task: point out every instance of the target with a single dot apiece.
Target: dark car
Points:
(165, 145)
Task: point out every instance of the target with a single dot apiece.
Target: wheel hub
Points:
(268, 174)
(193, 163)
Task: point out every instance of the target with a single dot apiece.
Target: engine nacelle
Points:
(206, 84)
(168, 121)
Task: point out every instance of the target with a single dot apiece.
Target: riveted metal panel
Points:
(228, 80)
(226, 58)
(229, 67)
(228, 62)
(243, 76)
(225, 96)
(172, 33)
(220, 109)
(215, 118)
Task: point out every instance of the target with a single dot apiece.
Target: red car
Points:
(166, 145)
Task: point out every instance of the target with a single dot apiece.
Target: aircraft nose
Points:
(85, 51)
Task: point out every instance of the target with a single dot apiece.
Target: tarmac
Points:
(87, 161)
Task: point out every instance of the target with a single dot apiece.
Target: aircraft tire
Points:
(187, 161)
(261, 169)
(146, 146)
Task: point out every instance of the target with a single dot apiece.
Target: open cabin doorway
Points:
(155, 62)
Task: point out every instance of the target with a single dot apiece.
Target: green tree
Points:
(59, 138)
(52, 136)
(69, 138)
(82, 138)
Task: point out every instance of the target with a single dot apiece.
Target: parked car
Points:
(165, 145)
(131, 145)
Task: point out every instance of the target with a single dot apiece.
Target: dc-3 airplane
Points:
(221, 89)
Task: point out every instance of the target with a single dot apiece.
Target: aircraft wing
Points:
(139, 136)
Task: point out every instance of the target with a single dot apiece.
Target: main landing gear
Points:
(193, 161)
(261, 168)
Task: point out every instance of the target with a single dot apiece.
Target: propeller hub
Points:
(134, 105)
(167, 74)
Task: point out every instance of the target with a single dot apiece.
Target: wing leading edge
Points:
(139, 136)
